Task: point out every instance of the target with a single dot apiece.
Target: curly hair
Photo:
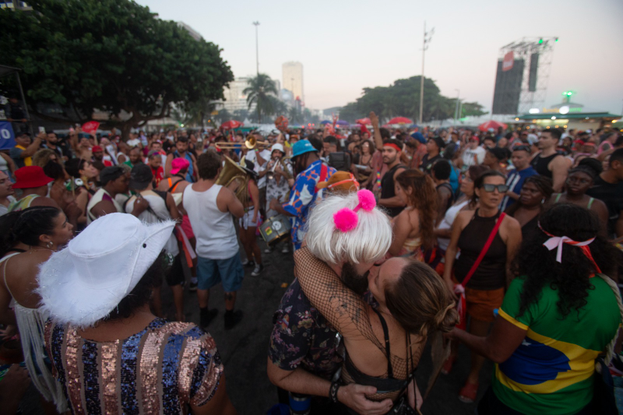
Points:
(542, 183)
(26, 226)
(571, 277)
(424, 199)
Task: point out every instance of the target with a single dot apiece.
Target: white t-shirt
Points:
(251, 156)
(469, 154)
(134, 142)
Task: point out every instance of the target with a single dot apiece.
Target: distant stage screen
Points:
(534, 65)
(508, 88)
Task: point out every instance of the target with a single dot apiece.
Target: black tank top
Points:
(491, 273)
(383, 385)
(387, 189)
(540, 164)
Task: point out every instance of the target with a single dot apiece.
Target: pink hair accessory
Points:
(346, 219)
(367, 201)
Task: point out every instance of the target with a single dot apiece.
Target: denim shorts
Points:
(212, 271)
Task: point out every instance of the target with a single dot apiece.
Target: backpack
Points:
(340, 160)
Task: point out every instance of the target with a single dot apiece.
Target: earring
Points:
(542, 200)
(49, 245)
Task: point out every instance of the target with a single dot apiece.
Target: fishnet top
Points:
(350, 315)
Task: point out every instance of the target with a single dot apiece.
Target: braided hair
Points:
(26, 226)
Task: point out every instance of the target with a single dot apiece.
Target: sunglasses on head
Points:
(502, 188)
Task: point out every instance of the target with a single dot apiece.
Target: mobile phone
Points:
(41, 129)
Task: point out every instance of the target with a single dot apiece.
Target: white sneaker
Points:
(267, 250)
(257, 270)
(285, 249)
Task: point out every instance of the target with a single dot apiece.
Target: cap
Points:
(141, 176)
(30, 177)
(179, 164)
(302, 147)
(439, 141)
(96, 148)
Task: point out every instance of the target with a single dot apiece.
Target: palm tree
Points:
(258, 92)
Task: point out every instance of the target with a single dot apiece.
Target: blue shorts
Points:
(212, 271)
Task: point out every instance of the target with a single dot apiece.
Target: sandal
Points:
(468, 393)
(447, 366)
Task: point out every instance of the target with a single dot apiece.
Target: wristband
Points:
(335, 385)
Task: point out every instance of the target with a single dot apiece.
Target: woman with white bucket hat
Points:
(111, 354)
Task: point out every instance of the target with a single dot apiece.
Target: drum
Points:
(275, 228)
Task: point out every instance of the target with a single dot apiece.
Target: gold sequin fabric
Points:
(160, 370)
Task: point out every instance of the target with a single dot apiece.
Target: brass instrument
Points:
(284, 170)
(231, 172)
(249, 143)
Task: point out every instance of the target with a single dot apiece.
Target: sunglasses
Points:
(490, 188)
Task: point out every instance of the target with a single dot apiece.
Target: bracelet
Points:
(335, 385)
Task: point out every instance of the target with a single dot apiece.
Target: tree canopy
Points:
(109, 55)
(402, 98)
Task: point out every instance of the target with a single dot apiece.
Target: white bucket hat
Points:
(277, 146)
(84, 282)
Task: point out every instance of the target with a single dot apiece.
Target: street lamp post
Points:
(257, 50)
(456, 109)
(427, 38)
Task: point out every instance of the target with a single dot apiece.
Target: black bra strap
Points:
(390, 373)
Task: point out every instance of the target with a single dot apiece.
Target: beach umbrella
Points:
(325, 122)
(400, 120)
(491, 124)
(342, 122)
(364, 121)
(231, 124)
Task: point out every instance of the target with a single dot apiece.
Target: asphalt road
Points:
(244, 348)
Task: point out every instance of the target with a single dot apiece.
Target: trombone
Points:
(249, 143)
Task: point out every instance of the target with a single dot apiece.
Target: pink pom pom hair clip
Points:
(346, 219)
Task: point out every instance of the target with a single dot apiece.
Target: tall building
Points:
(235, 99)
(292, 74)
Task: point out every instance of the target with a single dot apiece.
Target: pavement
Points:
(244, 348)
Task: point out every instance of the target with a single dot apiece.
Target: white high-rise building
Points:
(292, 79)
(235, 99)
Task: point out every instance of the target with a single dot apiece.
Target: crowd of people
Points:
(505, 242)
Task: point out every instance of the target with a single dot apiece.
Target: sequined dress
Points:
(161, 369)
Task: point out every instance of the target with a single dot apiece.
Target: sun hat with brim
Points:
(84, 282)
(30, 177)
(179, 164)
(302, 147)
(141, 176)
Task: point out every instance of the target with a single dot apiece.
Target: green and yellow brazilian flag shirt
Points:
(551, 372)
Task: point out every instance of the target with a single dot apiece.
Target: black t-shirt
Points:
(612, 196)
(427, 164)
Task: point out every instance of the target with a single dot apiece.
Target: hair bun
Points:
(445, 320)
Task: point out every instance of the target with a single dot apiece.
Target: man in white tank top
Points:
(210, 208)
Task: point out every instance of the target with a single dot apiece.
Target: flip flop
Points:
(468, 393)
